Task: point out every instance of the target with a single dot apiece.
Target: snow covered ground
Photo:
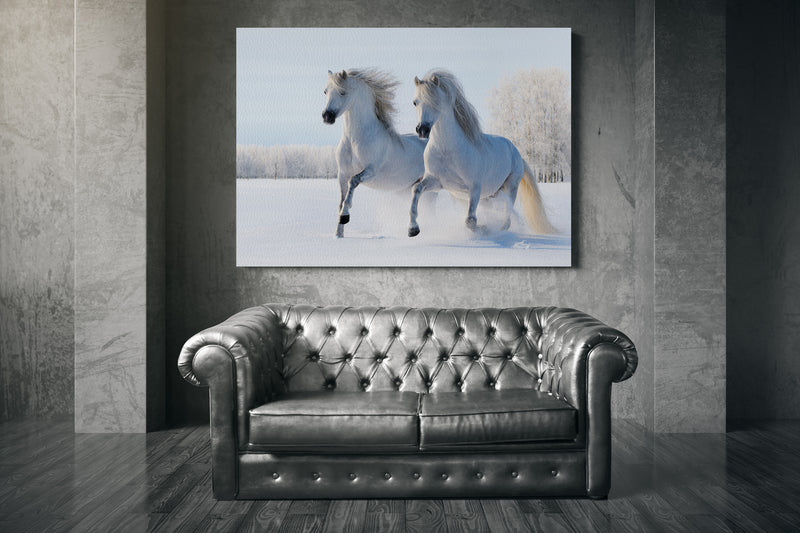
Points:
(293, 223)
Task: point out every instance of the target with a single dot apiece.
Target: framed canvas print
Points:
(403, 147)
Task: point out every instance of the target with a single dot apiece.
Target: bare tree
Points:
(533, 109)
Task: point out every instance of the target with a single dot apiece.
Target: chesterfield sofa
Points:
(366, 402)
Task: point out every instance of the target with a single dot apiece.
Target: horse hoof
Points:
(413, 232)
(472, 223)
(339, 232)
(344, 219)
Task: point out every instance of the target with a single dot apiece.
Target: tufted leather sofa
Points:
(356, 402)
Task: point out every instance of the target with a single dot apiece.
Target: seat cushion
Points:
(321, 421)
(472, 418)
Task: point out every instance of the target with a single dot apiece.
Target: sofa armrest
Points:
(581, 358)
(239, 361)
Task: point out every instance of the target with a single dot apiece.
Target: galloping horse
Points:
(370, 151)
(471, 165)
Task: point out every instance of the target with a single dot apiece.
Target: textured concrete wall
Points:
(36, 177)
(644, 219)
(203, 284)
(156, 213)
(110, 217)
(763, 162)
(689, 371)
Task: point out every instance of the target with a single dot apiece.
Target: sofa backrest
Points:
(409, 349)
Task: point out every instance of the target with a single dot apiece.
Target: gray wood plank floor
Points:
(54, 480)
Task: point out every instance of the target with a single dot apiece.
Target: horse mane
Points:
(464, 112)
(382, 86)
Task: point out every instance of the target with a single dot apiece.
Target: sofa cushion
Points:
(322, 421)
(494, 417)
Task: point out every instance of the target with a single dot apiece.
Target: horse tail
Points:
(532, 206)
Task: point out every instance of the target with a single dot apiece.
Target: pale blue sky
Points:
(281, 72)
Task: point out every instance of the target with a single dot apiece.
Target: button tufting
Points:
(476, 357)
(299, 329)
(429, 384)
(524, 331)
(479, 475)
(364, 332)
(459, 332)
(379, 358)
(396, 332)
(491, 383)
(387, 475)
(540, 356)
(314, 475)
(351, 476)
(364, 383)
(413, 359)
(348, 357)
(313, 357)
(398, 382)
(275, 475)
(415, 475)
(554, 472)
(445, 357)
(491, 331)
(445, 476)
(332, 331)
(514, 473)
(330, 385)
(428, 333)
(459, 383)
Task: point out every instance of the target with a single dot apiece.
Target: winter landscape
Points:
(287, 191)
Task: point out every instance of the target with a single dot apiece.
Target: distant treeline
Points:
(291, 161)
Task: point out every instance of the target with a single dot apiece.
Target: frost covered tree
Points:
(533, 109)
(287, 161)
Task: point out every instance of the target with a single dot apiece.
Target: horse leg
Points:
(474, 198)
(510, 187)
(355, 181)
(342, 195)
(427, 183)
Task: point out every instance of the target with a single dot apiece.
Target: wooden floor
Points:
(53, 480)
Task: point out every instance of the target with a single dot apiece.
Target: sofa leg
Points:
(598, 497)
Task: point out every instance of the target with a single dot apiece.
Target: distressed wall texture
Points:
(644, 195)
(689, 372)
(36, 209)
(203, 284)
(763, 125)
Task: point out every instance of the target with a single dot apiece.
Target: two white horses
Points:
(458, 157)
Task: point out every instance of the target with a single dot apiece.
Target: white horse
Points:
(370, 151)
(469, 164)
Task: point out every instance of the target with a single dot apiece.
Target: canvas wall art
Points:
(403, 147)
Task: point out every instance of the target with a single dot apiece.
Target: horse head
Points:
(438, 92)
(429, 98)
(336, 98)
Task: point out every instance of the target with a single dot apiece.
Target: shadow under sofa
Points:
(369, 402)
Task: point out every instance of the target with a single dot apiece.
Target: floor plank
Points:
(54, 480)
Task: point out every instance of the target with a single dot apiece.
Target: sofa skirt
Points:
(424, 475)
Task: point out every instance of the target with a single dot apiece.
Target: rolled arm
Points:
(239, 361)
(585, 357)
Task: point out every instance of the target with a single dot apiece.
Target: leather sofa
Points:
(366, 402)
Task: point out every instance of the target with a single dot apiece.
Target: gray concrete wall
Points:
(763, 160)
(36, 209)
(110, 217)
(689, 246)
(644, 219)
(203, 284)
